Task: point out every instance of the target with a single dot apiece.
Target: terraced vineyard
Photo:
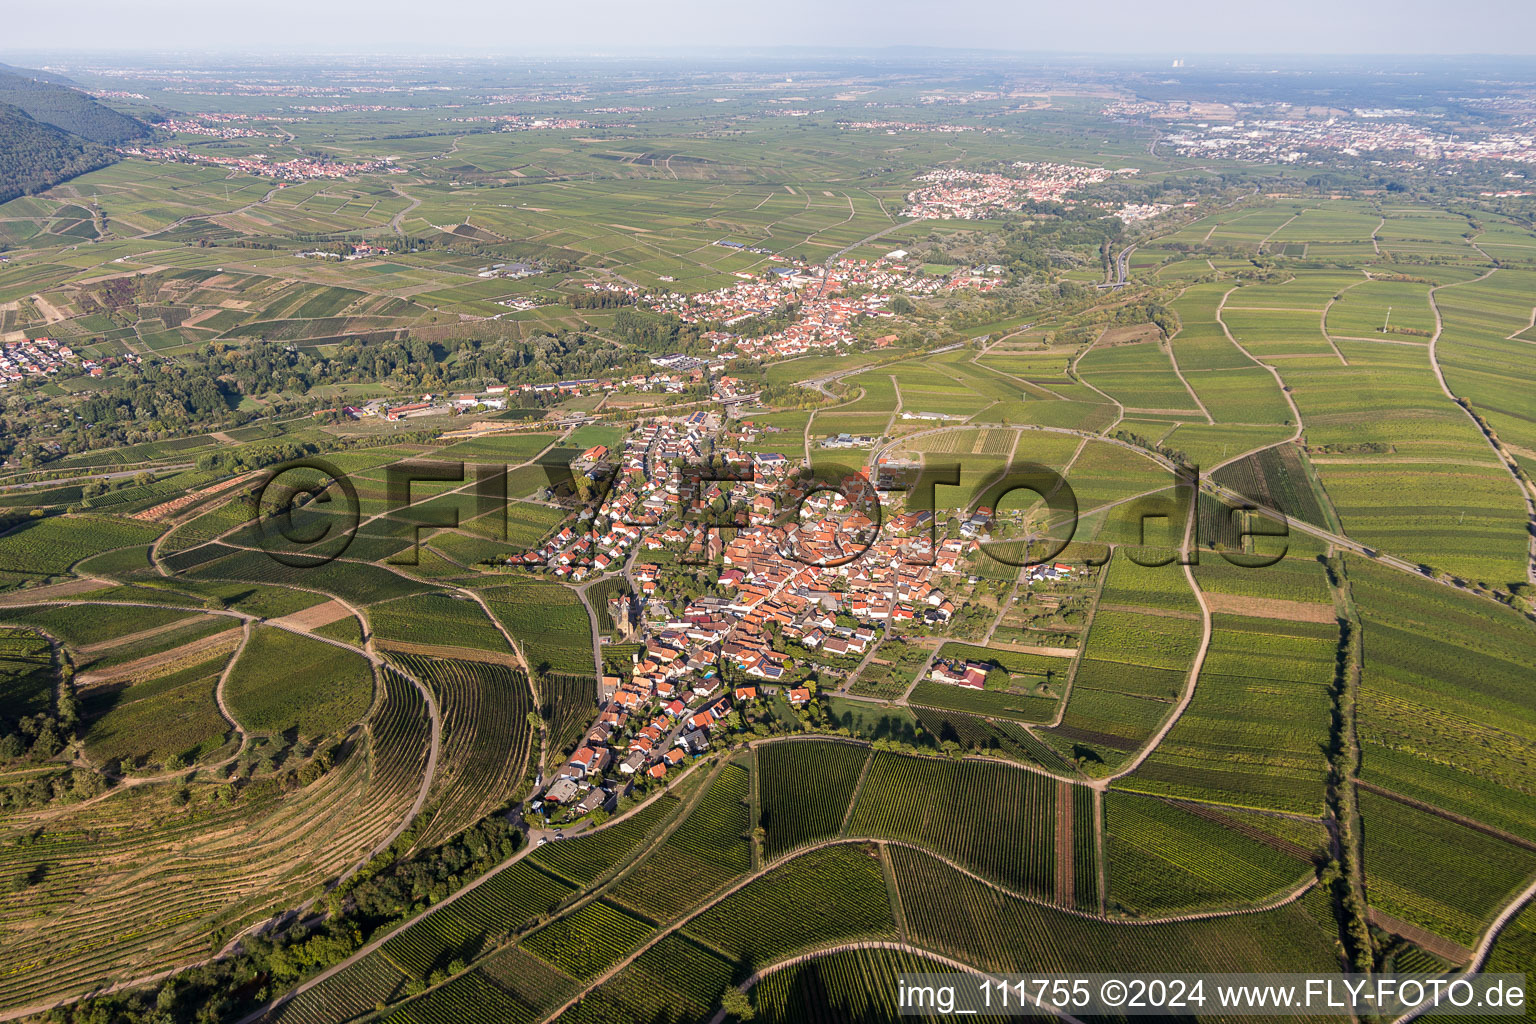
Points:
(213, 877)
(511, 902)
(486, 740)
(566, 700)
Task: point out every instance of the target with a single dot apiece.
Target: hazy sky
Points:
(1162, 27)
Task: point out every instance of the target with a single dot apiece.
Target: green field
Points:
(282, 681)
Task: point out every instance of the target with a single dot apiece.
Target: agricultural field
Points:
(1412, 874)
(1105, 473)
(1400, 511)
(1138, 374)
(585, 942)
(26, 672)
(677, 978)
(710, 847)
(1484, 351)
(1276, 478)
(1255, 733)
(954, 914)
(1133, 667)
(1160, 857)
(889, 672)
(805, 789)
(282, 681)
(1382, 309)
(105, 628)
(507, 902)
(1427, 647)
(566, 701)
(1516, 945)
(48, 547)
(1006, 704)
(842, 986)
(1269, 334)
(356, 582)
(835, 894)
(437, 620)
(158, 718)
(958, 809)
(583, 859)
(548, 623)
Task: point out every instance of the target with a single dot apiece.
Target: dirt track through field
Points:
(1442, 947)
(1065, 880)
(1270, 608)
(1047, 652)
(133, 638)
(315, 616)
(439, 651)
(33, 595)
(203, 647)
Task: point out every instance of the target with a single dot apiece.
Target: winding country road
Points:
(398, 219)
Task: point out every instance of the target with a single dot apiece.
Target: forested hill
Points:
(41, 76)
(67, 108)
(34, 155)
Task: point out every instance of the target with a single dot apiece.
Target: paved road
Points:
(1122, 269)
(399, 218)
